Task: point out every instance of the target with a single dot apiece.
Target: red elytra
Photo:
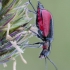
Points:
(43, 21)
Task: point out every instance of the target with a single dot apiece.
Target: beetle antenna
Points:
(52, 63)
(32, 5)
(46, 64)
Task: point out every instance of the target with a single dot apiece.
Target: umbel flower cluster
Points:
(14, 30)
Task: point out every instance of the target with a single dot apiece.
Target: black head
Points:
(45, 52)
(40, 5)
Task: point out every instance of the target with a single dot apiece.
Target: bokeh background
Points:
(60, 52)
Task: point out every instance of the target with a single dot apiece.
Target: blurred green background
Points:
(60, 51)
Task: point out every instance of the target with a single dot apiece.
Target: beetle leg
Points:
(35, 33)
(32, 11)
(32, 5)
(34, 45)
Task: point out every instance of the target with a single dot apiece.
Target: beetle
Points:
(45, 28)
(44, 24)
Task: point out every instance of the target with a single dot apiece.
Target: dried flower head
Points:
(14, 31)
